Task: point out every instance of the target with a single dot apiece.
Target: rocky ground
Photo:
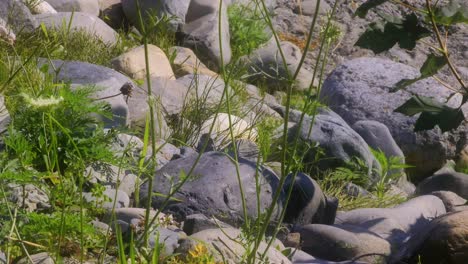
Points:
(430, 226)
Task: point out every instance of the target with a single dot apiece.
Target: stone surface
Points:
(168, 237)
(39, 258)
(207, 90)
(212, 188)
(112, 176)
(222, 126)
(112, 13)
(451, 200)
(86, 6)
(17, 16)
(80, 21)
(449, 181)
(186, 62)
(308, 7)
(266, 66)
(220, 242)
(29, 197)
(245, 148)
(201, 32)
(199, 222)
(121, 199)
(301, 257)
(447, 240)
(6, 34)
(42, 7)
(344, 242)
(132, 63)
(107, 82)
(360, 90)
(4, 116)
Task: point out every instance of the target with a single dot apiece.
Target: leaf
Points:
(432, 113)
(380, 37)
(369, 4)
(453, 13)
(430, 67)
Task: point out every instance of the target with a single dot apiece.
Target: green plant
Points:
(247, 27)
(432, 19)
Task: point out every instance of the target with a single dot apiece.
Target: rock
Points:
(132, 63)
(17, 16)
(354, 190)
(308, 7)
(307, 203)
(446, 241)
(107, 201)
(112, 176)
(222, 126)
(270, 4)
(4, 116)
(449, 181)
(462, 161)
(86, 6)
(398, 224)
(300, 257)
(339, 142)
(128, 145)
(219, 242)
(202, 34)
(212, 188)
(107, 82)
(129, 214)
(451, 200)
(39, 258)
(265, 65)
(293, 240)
(186, 62)
(29, 197)
(360, 90)
(245, 148)
(80, 21)
(204, 89)
(167, 237)
(344, 242)
(100, 226)
(42, 7)
(169, 8)
(6, 34)
(199, 222)
(3, 257)
(112, 13)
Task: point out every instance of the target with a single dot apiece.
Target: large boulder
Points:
(186, 62)
(446, 240)
(204, 89)
(86, 6)
(445, 181)
(106, 81)
(80, 21)
(360, 90)
(17, 16)
(212, 188)
(266, 65)
(177, 9)
(203, 34)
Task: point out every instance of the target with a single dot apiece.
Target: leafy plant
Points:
(432, 20)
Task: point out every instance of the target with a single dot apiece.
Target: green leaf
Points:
(453, 13)
(418, 104)
(369, 4)
(430, 67)
(380, 37)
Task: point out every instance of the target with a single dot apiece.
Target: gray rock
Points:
(338, 141)
(39, 258)
(344, 242)
(128, 214)
(17, 16)
(212, 188)
(100, 226)
(29, 197)
(207, 90)
(359, 90)
(202, 34)
(266, 65)
(224, 245)
(270, 4)
(450, 181)
(112, 13)
(112, 176)
(451, 200)
(301, 257)
(170, 8)
(245, 148)
(86, 6)
(307, 203)
(354, 190)
(80, 21)
(185, 152)
(4, 116)
(199, 222)
(186, 62)
(107, 82)
(107, 201)
(308, 7)
(6, 33)
(167, 237)
(3, 259)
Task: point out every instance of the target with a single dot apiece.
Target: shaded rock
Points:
(219, 242)
(344, 242)
(446, 181)
(107, 200)
(447, 240)
(451, 200)
(112, 13)
(80, 21)
(199, 222)
(39, 258)
(108, 83)
(245, 148)
(354, 190)
(133, 63)
(360, 90)
(170, 8)
(307, 203)
(266, 65)
(17, 16)
(29, 197)
(212, 188)
(201, 32)
(186, 62)
(86, 6)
